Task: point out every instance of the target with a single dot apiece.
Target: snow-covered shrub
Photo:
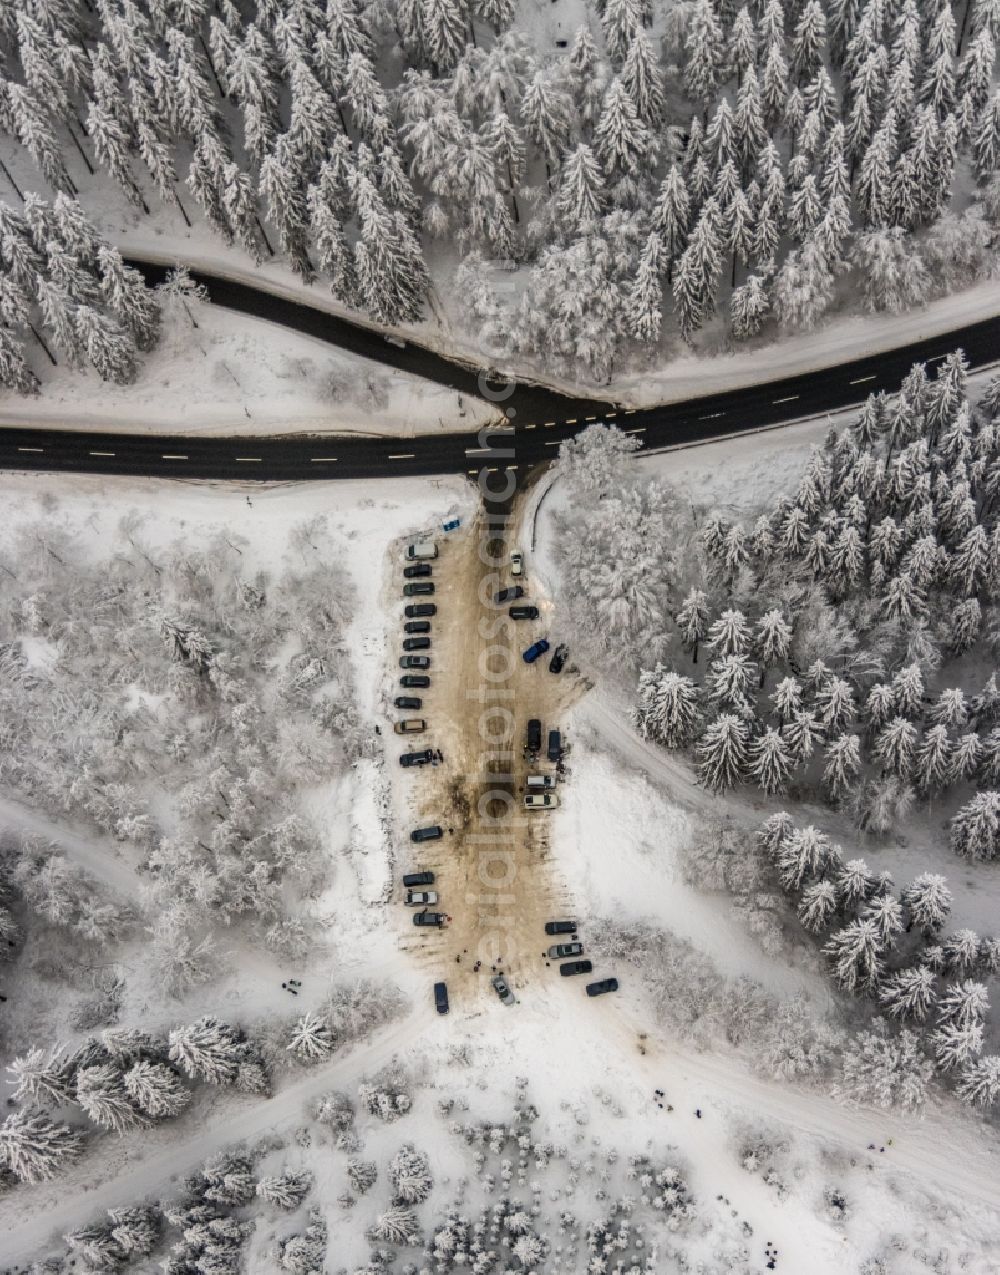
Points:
(410, 1175)
(287, 1190)
(362, 1174)
(305, 1254)
(880, 1069)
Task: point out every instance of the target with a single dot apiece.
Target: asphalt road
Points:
(539, 418)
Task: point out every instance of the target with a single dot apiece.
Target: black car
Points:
(433, 833)
(423, 758)
(412, 879)
(419, 589)
(560, 927)
(414, 661)
(418, 571)
(417, 644)
(509, 595)
(408, 701)
(604, 985)
(576, 967)
(441, 997)
(558, 658)
(415, 682)
(523, 613)
(417, 626)
(534, 736)
(418, 610)
(435, 919)
(554, 752)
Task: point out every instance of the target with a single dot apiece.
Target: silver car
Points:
(502, 990)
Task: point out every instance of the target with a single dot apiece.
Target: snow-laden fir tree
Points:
(722, 753)
(410, 1175)
(979, 1082)
(975, 828)
(155, 1089)
(311, 1039)
(856, 954)
(818, 906)
(667, 708)
(207, 1050)
(34, 1147)
(286, 1191)
(769, 762)
(101, 1092)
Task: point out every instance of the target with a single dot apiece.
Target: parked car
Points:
(417, 626)
(417, 610)
(517, 563)
(414, 661)
(410, 726)
(569, 968)
(540, 783)
(510, 594)
(441, 997)
(558, 658)
(432, 833)
(420, 898)
(408, 701)
(534, 735)
(421, 549)
(540, 801)
(415, 682)
(435, 919)
(419, 571)
(560, 927)
(502, 990)
(417, 644)
(422, 758)
(535, 650)
(418, 589)
(558, 951)
(554, 750)
(418, 878)
(523, 613)
(602, 986)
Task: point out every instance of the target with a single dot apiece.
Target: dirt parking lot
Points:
(493, 869)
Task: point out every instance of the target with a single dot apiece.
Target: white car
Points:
(517, 564)
(541, 801)
(541, 783)
(421, 898)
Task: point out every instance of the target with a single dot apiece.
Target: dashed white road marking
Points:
(861, 380)
(401, 455)
(31, 449)
(173, 456)
(789, 398)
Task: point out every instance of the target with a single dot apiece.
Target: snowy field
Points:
(238, 375)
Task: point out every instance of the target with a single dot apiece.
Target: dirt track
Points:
(493, 869)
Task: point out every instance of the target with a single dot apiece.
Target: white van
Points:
(422, 549)
(541, 801)
(541, 783)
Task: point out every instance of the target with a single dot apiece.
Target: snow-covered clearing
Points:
(239, 375)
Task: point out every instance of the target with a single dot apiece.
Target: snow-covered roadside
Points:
(838, 341)
(237, 375)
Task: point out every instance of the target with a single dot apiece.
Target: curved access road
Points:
(539, 418)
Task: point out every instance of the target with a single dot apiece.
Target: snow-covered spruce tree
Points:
(42, 1077)
(856, 954)
(975, 828)
(156, 1089)
(305, 1254)
(979, 1081)
(208, 1050)
(286, 1191)
(910, 993)
(722, 753)
(34, 1147)
(228, 1178)
(410, 1176)
(101, 1092)
(667, 708)
(884, 1070)
(311, 1039)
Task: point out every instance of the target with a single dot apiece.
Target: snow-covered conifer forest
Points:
(584, 187)
(398, 878)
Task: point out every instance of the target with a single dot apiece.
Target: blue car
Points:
(535, 650)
